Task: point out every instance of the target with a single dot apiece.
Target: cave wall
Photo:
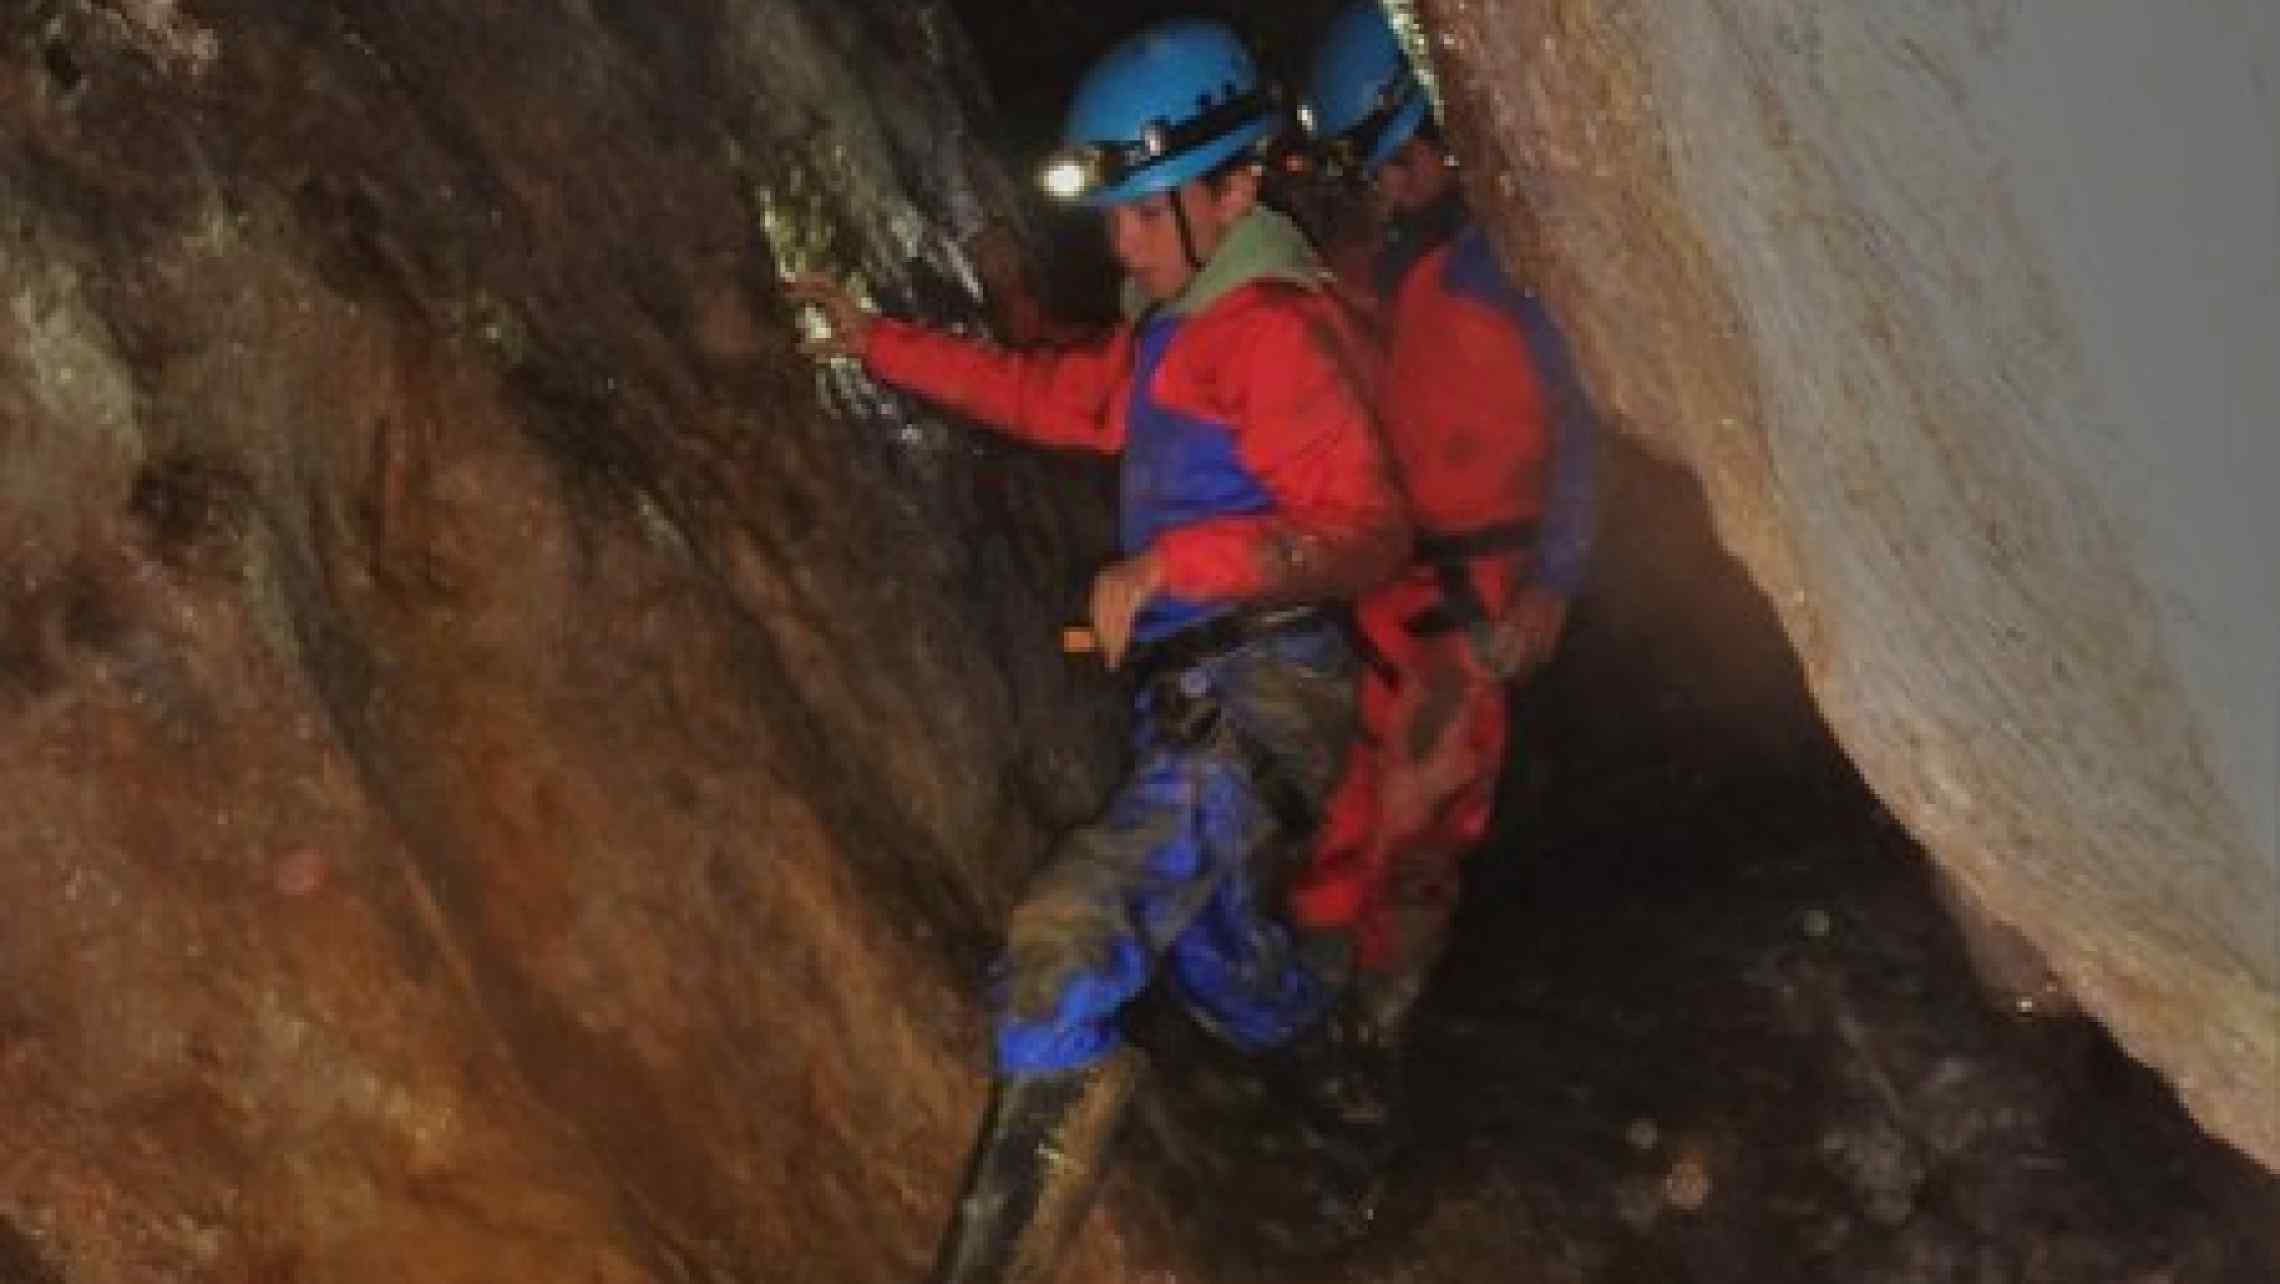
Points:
(510, 772)
(501, 782)
(1962, 315)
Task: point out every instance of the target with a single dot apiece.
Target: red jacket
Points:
(1281, 366)
(1464, 406)
(1486, 421)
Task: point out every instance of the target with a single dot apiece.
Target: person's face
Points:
(1144, 234)
(1413, 178)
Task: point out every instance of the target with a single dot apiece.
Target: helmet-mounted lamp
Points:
(1077, 171)
(1070, 173)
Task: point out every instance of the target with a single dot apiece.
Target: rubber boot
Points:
(1035, 1169)
(1344, 1072)
(1339, 1083)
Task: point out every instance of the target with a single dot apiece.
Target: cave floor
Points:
(1703, 1030)
(1713, 1031)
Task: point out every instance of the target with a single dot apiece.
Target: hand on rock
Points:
(847, 323)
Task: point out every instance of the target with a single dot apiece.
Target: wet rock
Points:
(1842, 1108)
(1881, 1166)
(20, 1263)
(480, 738)
(512, 774)
(1687, 1186)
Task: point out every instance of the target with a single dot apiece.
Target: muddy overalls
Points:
(1240, 720)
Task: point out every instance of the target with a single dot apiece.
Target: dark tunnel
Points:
(515, 771)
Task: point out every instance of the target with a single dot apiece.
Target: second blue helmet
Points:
(1363, 99)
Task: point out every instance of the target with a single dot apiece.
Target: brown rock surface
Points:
(500, 784)
(495, 776)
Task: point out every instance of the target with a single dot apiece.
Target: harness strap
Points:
(1192, 713)
(1477, 541)
(1296, 812)
(1451, 555)
(1365, 647)
(1217, 636)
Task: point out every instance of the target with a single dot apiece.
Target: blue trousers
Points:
(1182, 878)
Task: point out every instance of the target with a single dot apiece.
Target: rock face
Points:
(510, 774)
(1960, 314)
(500, 784)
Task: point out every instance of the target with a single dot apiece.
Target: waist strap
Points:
(1218, 635)
(1477, 541)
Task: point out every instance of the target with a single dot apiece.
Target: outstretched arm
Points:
(1057, 397)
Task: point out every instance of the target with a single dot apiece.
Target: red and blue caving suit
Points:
(1242, 414)
(1492, 436)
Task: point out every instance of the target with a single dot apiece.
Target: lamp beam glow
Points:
(1063, 179)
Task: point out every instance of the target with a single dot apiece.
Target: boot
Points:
(1034, 1171)
(1344, 1073)
(1341, 1079)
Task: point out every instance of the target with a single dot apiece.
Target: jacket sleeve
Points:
(1564, 539)
(1056, 397)
(1297, 388)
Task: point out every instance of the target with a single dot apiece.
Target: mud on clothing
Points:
(1242, 414)
(1493, 438)
(1186, 869)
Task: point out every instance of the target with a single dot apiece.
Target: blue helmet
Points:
(1168, 104)
(1363, 99)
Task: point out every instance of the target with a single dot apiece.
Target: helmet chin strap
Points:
(1187, 234)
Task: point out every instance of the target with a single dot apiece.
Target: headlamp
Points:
(1079, 170)
(1070, 173)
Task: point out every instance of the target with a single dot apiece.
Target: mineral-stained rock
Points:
(500, 784)
(509, 773)
(1961, 314)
